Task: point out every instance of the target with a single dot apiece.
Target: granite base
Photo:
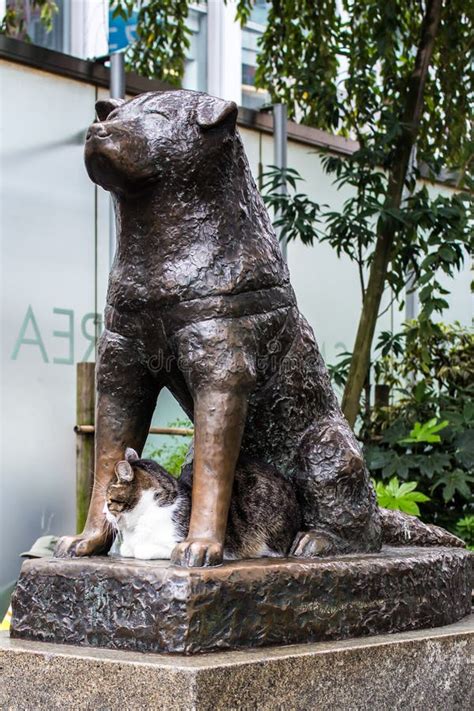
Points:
(410, 671)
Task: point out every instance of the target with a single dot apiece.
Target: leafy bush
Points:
(465, 530)
(425, 431)
(172, 455)
(399, 497)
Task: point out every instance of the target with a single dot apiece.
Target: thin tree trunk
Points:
(386, 228)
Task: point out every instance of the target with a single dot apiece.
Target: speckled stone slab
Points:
(151, 606)
(409, 671)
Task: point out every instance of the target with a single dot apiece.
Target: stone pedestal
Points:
(154, 607)
(413, 671)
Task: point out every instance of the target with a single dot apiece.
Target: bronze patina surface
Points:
(200, 302)
(155, 607)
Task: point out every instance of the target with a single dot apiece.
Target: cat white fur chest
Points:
(147, 531)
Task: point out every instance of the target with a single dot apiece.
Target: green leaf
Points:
(406, 487)
(464, 443)
(376, 457)
(410, 507)
(425, 433)
(417, 496)
(398, 465)
(456, 481)
(399, 497)
(430, 463)
(465, 529)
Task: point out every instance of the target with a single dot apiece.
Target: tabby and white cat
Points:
(150, 510)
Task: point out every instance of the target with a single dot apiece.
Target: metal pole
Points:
(117, 75)
(280, 141)
(117, 91)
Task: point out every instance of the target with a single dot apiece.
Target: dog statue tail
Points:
(401, 529)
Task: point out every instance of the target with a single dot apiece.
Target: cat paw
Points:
(82, 545)
(318, 544)
(197, 553)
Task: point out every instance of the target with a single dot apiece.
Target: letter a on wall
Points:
(29, 320)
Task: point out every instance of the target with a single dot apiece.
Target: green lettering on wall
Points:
(69, 334)
(91, 337)
(22, 340)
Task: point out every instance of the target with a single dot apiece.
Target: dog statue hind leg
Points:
(339, 509)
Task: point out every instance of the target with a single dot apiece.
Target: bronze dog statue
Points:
(200, 302)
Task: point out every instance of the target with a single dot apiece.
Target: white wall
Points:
(47, 290)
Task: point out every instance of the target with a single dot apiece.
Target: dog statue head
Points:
(174, 138)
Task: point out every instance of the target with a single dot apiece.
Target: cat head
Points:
(133, 477)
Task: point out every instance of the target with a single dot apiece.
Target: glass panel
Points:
(122, 33)
(251, 97)
(259, 14)
(195, 75)
(57, 38)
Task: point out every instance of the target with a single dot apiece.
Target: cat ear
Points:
(104, 107)
(212, 112)
(124, 471)
(131, 455)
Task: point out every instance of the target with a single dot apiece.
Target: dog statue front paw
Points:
(93, 543)
(197, 553)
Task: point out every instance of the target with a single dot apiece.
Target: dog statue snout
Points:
(97, 130)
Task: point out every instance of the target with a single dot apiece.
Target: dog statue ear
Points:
(124, 471)
(212, 112)
(131, 455)
(104, 107)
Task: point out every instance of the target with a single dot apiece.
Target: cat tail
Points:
(401, 529)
